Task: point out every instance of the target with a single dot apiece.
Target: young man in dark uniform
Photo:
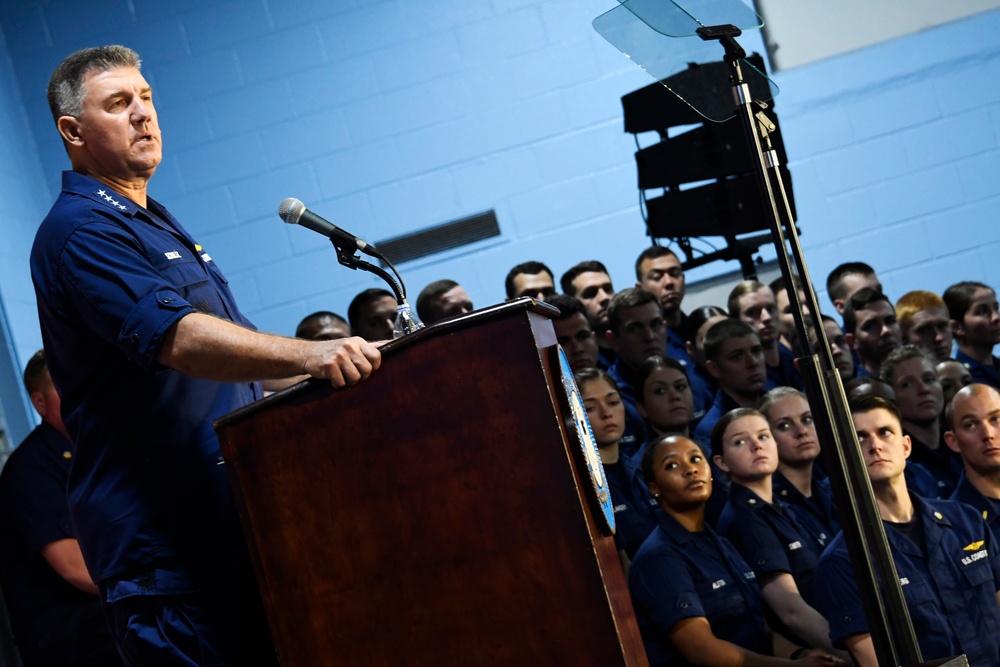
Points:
(945, 554)
(55, 611)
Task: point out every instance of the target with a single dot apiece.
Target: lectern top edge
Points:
(451, 325)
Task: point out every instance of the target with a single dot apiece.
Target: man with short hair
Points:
(735, 358)
(945, 554)
(532, 279)
(323, 325)
(972, 420)
(636, 331)
(753, 302)
(54, 608)
(372, 314)
(659, 270)
(923, 321)
(871, 328)
(848, 278)
(573, 332)
(786, 316)
(590, 282)
(147, 347)
(443, 299)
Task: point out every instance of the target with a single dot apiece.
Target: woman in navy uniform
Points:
(634, 509)
(783, 555)
(798, 482)
(696, 600)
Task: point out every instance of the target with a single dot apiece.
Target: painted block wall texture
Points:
(22, 193)
(388, 116)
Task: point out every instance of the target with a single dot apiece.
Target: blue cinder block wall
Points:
(390, 116)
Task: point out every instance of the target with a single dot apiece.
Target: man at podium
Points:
(146, 347)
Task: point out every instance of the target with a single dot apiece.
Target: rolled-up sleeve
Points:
(117, 292)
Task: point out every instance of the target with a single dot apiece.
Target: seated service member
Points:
(796, 481)
(633, 507)
(945, 554)
(573, 332)
(664, 399)
(953, 375)
(532, 279)
(590, 283)
(843, 359)
(696, 600)
(871, 328)
(372, 314)
(975, 322)
(636, 331)
(848, 278)
(323, 325)
(753, 303)
(786, 317)
(762, 528)
(440, 300)
(735, 358)
(659, 270)
(909, 370)
(924, 322)
(973, 422)
(54, 608)
(703, 385)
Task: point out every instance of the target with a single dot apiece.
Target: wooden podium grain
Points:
(433, 514)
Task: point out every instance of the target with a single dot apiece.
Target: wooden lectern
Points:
(432, 514)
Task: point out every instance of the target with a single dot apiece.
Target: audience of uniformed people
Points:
(673, 400)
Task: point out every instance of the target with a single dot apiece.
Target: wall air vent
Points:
(443, 237)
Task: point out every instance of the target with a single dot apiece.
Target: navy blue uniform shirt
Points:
(944, 465)
(54, 623)
(785, 374)
(989, 508)
(635, 509)
(635, 425)
(147, 487)
(703, 431)
(678, 351)
(816, 515)
(980, 372)
(678, 574)
(769, 538)
(949, 583)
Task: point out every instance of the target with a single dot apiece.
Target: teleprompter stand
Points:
(637, 27)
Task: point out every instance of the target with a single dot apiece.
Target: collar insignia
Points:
(111, 200)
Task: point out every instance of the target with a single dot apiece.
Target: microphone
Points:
(294, 212)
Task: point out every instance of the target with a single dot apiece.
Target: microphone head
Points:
(291, 210)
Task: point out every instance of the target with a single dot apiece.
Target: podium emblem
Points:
(578, 427)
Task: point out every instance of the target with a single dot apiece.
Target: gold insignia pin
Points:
(975, 546)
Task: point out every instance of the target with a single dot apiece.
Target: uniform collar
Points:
(743, 495)
(55, 441)
(86, 186)
(677, 533)
(931, 519)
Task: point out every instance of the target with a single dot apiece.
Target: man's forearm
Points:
(214, 349)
